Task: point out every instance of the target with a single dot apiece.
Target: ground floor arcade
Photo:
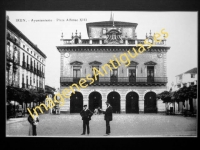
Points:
(123, 99)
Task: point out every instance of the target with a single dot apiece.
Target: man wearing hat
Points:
(86, 117)
(107, 117)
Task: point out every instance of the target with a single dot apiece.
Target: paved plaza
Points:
(123, 125)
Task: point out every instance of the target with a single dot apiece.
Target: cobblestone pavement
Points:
(123, 125)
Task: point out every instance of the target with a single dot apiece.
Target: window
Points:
(28, 49)
(76, 72)
(27, 59)
(113, 75)
(31, 52)
(150, 73)
(24, 46)
(180, 77)
(192, 75)
(97, 67)
(23, 57)
(76, 41)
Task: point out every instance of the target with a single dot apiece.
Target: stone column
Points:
(100, 41)
(141, 105)
(123, 106)
(126, 41)
(176, 107)
(136, 42)
(180, 107)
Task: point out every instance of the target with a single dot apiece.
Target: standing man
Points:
(107, 117)
(86, 117)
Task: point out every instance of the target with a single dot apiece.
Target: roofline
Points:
(187, 72)
(105, 23)
(11, 27)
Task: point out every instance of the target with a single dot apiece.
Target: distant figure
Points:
(107, 117)
(86, 117)
(33, 123)
(96, 111)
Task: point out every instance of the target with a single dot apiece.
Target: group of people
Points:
(86, 115)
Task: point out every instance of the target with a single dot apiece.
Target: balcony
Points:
(138, 81)
(31, 69)
(35, 71)
(11, 38)
(24, 64)
(28, 67)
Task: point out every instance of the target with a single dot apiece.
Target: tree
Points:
(166, 97)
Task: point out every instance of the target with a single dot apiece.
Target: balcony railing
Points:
(97, 41)
(24, 64)
(11, 38)
(124, 80)
(35, 71)
(28, 67)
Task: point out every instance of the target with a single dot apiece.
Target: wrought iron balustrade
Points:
(127, 80)
(24, 64)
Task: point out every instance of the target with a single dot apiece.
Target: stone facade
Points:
(130, 88)
(25, 61)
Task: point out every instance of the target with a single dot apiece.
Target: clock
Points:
(66, 55)
(160, 55)
(150, 40)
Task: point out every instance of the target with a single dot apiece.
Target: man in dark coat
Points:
(107, 117)
(86, 117)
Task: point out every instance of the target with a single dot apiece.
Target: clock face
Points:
(159, 55)
(150, 40)
(66, 55)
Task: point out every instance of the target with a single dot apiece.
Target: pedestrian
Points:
(33, 123)
(86, 117)
(107, 117)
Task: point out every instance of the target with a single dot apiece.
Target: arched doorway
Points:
(95, 100)
(132, 102)
(76, 102)
(150, 103)
(114, 99)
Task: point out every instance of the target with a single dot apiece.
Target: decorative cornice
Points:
(108, 48)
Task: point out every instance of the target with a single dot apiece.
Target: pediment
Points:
(150, 63)
(95, 63)
(133, 63)
(76, 63)
(114, 62)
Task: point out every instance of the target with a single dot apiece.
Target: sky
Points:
(180, 25)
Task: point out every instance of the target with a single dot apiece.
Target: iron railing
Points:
(118, 80)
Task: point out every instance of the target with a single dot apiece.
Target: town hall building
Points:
(130, 89)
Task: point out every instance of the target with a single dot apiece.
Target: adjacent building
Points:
(25, 62)
(130, 89)
(186, 79)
